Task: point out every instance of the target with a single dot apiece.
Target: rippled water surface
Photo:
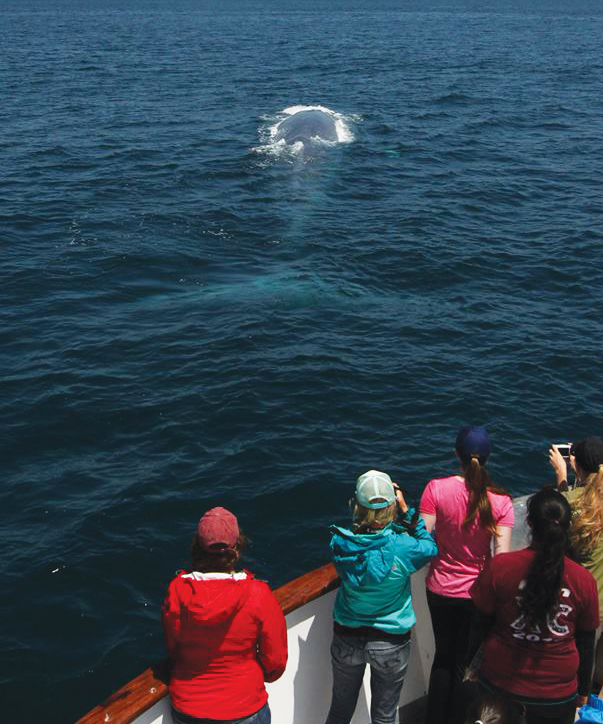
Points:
(193, 315)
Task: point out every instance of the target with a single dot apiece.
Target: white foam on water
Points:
(279, 148)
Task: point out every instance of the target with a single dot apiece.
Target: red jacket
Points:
(225, 635)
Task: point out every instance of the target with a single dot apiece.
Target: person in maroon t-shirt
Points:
(546, 610)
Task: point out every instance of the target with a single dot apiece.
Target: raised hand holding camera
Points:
(558, 458)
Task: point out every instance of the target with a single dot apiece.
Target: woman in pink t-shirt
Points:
(468, 513)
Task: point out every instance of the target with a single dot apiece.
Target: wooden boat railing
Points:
(129, 702)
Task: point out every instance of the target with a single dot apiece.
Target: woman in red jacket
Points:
(225, 632)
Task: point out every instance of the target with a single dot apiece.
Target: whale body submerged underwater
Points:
(307, 127)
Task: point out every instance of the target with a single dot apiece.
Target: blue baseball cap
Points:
(375, 490)
(471, 441)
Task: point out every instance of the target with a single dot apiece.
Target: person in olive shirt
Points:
(586, 532)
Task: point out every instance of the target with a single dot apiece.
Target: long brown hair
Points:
(479, 482)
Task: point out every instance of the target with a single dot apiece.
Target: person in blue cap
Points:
(469, 514)
(373, 613)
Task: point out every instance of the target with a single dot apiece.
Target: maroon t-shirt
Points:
(538, 663)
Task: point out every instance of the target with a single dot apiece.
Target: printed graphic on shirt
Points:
(556, 624)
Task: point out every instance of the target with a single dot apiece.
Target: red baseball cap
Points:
(218, 529)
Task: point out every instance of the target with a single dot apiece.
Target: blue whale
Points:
(306, 127)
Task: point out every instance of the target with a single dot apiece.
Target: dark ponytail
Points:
(549, 517)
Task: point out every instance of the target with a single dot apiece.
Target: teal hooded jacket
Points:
(375, 572)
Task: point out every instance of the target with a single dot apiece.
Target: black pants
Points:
(451, 619)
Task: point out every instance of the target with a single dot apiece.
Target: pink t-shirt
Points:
(463, 552)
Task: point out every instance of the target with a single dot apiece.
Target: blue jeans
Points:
(388, 662)
(260, 717)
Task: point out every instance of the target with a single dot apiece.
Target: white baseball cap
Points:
(375, 490)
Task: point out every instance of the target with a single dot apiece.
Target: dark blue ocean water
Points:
(192, 317)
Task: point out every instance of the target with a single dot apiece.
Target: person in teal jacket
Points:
(373, 613)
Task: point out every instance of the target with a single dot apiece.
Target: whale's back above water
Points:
(306, 126)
